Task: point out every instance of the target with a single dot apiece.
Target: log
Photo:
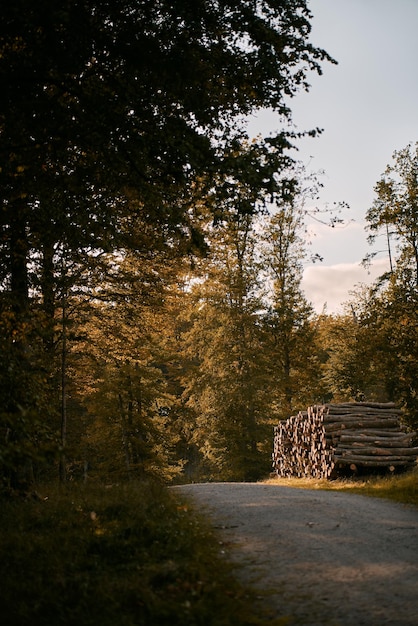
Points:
(359, 458)
(385, 442)
(374, 463)
(358, 422)
(357, 445)
(386, 452)
(366, 406)
(317, 441)
(390, 435)
(330, 417)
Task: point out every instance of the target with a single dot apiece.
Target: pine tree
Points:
(225, 388)
(289, 329)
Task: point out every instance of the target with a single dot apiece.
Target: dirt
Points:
(318, 558)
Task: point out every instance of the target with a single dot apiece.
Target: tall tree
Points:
(109, 112)
(395, 209)
(389, 312)
(119, 370)
(372, 351)
(101, 97)
(289, 320)
(225, 388)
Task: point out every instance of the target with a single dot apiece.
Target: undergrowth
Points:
(123, 556)
(400, 488)
(132, 555)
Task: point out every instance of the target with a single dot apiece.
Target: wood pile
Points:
(328, 438)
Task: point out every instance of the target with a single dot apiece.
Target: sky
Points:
(367, 106)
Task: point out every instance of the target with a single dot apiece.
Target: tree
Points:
(225, 388)
(119, 371)
(395, 208)
(289, 321)
(351, 369)
(105, 98)
(109, 113)
(372, 351)
(390, 309)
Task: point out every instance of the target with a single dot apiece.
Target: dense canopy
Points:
(99, 98)
(121, 123)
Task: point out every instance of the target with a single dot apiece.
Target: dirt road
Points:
(326, 558)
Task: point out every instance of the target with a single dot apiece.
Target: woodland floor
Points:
(319, 558)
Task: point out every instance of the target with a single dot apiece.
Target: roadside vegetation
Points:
(125, 555)
(133, 554)
(400, 488)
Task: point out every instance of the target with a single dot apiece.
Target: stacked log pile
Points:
(327, 438)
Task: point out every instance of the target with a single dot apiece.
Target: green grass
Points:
(122, 556)
(400, 488)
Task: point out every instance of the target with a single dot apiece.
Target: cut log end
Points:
(318, 441)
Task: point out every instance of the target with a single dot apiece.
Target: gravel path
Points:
(324, 557)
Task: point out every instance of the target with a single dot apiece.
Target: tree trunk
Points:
(48, 295)
(125, 437)
(21, 474)
(63, 473)
(19, 250)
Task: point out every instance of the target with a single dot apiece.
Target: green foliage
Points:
(120, 371)
(352, 367)
(373, 351)
(28, 423)
(389, 320)
(251, 337)
(132, 555)
(370, 354)
(395, 209)
(225, 385)
(289, 337)
(130, 429)
(103, 104)
(111, 114)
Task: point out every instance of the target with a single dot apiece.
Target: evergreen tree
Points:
(373, 350)
(289, 319)
(395, 209)
(120, 372)
(225, 388)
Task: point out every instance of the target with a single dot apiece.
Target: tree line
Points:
(151, 311)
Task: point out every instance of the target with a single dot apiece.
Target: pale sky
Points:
(368, 108)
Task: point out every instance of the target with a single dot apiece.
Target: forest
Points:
(153, 322)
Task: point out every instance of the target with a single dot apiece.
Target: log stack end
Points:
(328, 439)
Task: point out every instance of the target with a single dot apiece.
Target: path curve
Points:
(326, 558)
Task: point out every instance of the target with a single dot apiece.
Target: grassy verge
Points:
(129, 555)
(402, 488)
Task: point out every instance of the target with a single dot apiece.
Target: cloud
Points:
(331, 285)
(346, 243)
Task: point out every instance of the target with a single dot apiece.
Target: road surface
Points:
(319, 558)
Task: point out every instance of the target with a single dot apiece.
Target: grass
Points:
(124, 556)
(132, 555)
(400, 488)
